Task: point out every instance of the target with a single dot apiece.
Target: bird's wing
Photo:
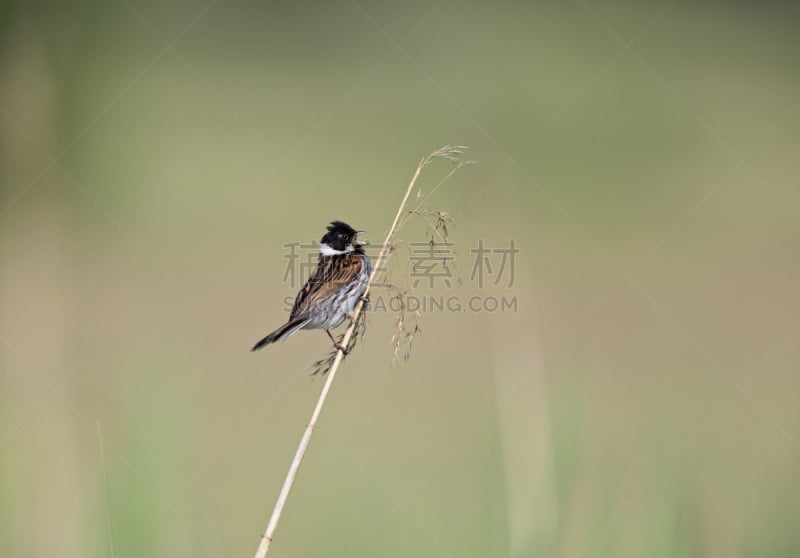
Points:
(330, 275)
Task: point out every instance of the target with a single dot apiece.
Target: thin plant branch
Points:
(453, 153)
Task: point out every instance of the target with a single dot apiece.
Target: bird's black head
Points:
(341, 238)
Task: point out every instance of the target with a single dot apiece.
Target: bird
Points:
(334, 288)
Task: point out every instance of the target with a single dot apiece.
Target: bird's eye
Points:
(343, 236)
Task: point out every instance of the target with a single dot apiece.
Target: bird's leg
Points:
(336, 344)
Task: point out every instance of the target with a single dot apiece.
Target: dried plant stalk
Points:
(453, 153)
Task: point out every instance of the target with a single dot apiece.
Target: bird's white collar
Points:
(326, 250)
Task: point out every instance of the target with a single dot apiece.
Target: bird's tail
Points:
(282, 332)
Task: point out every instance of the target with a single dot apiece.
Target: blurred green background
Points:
(156, 157)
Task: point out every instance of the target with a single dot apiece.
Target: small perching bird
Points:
(334, 288)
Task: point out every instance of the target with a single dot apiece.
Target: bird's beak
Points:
(361, 242)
